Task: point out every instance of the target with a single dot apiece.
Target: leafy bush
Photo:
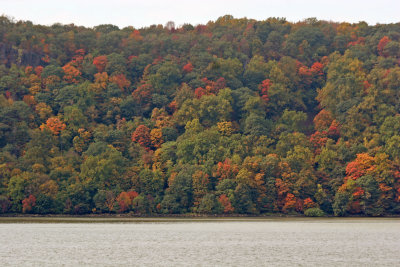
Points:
(314, 212)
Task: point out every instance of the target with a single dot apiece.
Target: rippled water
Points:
(274, 242)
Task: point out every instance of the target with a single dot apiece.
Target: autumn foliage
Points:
(224, 200)
(28, 204)
(142, 136)
(382, 44)
(264, 88)
(54, 124)
(120, 80)
(188, 67)
(100, 62)
(236, 116)
(71, 73)
(226, 170)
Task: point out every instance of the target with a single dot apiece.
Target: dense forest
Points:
(237, 116)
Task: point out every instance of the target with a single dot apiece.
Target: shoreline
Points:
(186, 215)
(129, 218)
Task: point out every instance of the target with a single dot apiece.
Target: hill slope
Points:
(236, 116)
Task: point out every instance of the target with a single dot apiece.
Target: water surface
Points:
(201, 242)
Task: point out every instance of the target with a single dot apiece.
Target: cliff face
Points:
(21, 57)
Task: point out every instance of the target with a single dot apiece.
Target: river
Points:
(201, 242)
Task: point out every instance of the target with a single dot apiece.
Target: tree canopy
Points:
(236, 116)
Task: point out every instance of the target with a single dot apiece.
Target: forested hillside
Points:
(233, 117)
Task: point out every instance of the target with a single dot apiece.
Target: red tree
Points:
(199, 92)
(290, 202)
(317, 68)
(142, 136)
(226, 170)
(120, 80)
(318, 139)
(381, 45)
(71, 73)
(38, 70)
(142, 95)
(124, 202)
(78, 58)
(28, 203)
(264, 88)
(54, 124)
(359, 167)
(136, 35)
(188, 67)
(323, 120)
(224, 200)
(100, 62)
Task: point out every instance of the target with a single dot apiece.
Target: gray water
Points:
(263, 242)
